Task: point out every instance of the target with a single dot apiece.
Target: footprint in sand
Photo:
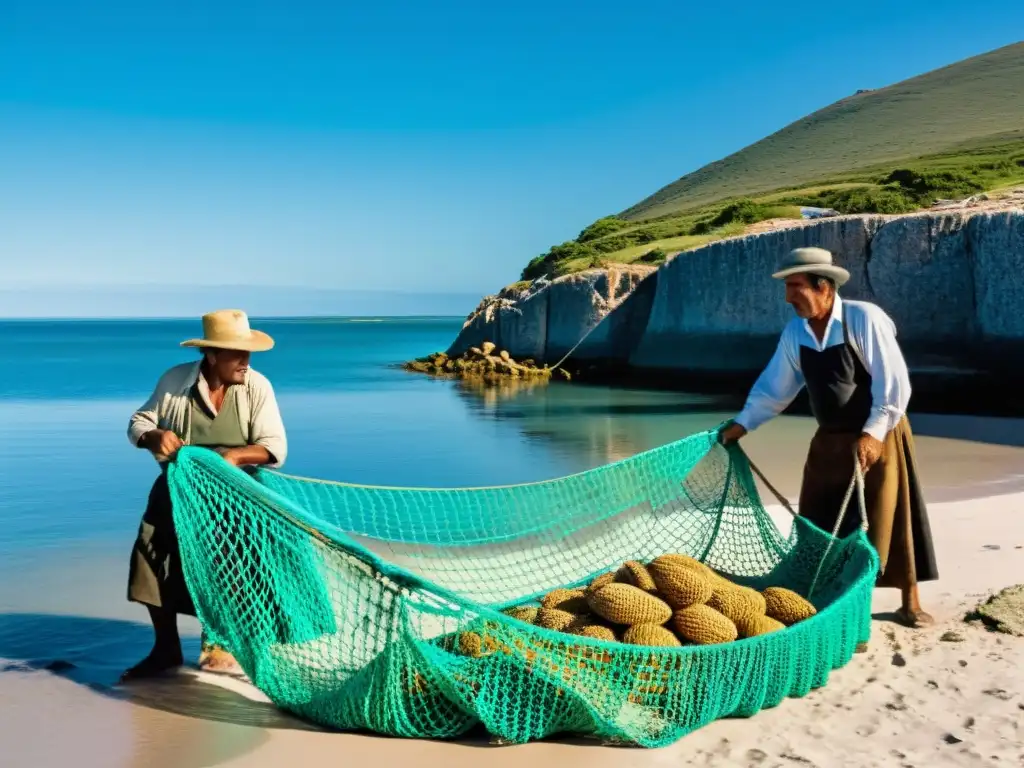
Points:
(867, 729)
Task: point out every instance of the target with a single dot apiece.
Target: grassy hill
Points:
(948, 133)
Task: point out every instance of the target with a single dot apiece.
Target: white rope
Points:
(856, 481)
(582, 339)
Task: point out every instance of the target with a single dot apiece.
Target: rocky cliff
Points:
(952, 281)
(546, 320)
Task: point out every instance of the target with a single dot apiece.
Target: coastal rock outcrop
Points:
(546, 319)
(948, 280)
(951, 280)
(481, 363)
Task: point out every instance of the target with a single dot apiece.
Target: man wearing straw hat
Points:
(218, 402)
(845, 353)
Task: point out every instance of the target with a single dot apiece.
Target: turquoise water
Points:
(72, 488)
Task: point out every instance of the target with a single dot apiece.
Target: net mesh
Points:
(345, 604)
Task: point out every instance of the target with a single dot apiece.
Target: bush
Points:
(602, 228)
(862, 200)
(534, 269)
(653, 256)
(547, 263)
(926, 186)
(743, 211)
(610, 244)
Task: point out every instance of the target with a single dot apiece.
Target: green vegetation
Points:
(974, 101)
(947, 134)
(612, 240)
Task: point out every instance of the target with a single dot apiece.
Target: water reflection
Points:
(591, 426)
(485, 395)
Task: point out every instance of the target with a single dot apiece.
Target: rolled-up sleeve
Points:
(776, 387)
(875, 334)
(145, 417)
(267, 426)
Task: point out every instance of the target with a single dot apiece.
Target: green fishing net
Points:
(379, 609)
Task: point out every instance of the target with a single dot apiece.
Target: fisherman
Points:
(217, 402)
(845, 353)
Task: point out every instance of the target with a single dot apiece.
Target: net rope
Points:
(343, 603)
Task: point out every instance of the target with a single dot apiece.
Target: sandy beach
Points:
(949, 695)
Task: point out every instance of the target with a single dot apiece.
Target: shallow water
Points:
(72, 489)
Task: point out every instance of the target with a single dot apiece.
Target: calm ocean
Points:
(72, 489)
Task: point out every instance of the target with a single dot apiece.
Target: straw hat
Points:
(229, 329)
(817, 261)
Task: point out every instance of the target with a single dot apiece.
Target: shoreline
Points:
(60, 663)
(950, 695)
(968, 393)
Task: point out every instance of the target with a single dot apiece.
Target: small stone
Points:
(949, 738)
(487, 347)
(998, 693)
(897, 704)
(504, 355)
(962, 663)
(898, 660)
(952, 637)
(991, 547)
(969, 722)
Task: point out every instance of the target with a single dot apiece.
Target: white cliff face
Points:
(952, 281)
(997, 250)
(546, 320)
(948, 280)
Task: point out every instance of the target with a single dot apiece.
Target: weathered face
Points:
(807, 301)
(228, 365)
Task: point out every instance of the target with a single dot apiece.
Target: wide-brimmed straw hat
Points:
(229, 329)
(816, 261)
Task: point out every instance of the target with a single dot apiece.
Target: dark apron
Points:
(839, 390)
(155, 574)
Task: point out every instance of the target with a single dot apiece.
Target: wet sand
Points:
(914, 699)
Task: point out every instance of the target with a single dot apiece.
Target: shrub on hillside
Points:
(625, 240)
(741, 212)
(602, 228)
(546, 263)
(927, 186)
(653, 256)
(888, 200)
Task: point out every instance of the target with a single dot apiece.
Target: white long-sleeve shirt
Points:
(872, 333)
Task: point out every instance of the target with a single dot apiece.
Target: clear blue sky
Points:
(418, 147)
